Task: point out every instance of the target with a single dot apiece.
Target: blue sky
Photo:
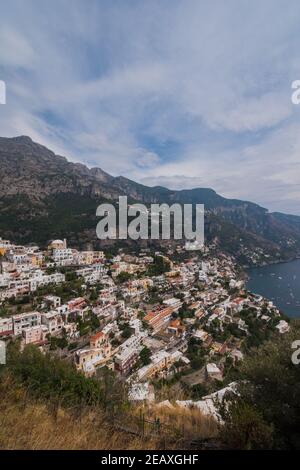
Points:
(177, 93)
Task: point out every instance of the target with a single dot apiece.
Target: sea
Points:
(279, 283)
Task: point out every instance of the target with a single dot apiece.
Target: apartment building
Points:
(35, 334)
(160, 364)
(25, 320)
(63, 256)
(53, 321)
(128, 354)
(87, 360)
(14, 292)
(92, 274)
(159, 319)
(125, 360)
(31, 281)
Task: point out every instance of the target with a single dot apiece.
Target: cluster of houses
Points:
(195, 300)
(35, 326)
(24, 269)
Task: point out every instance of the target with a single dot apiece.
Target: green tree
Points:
(159, 266)
(145, 356)
(246, 428)
(123, 277)
(270, 390)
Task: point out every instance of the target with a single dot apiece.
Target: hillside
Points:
(46, 404)
(31, 427)
(44, 196)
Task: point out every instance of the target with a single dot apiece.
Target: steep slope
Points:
(43, 195)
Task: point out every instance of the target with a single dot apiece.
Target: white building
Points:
(35, 334)
(25, 320)
(128, 354)
(53, 321)
(213, 371)
(63, 256)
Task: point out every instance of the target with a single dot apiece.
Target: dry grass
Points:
(190, 423)
(172, 393)
(26, 424)
(34, 428)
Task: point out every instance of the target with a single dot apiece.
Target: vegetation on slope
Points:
(27, 423)
(46, 404)
(267, 412)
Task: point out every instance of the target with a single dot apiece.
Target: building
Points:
(53, 301)
(88, 360)
(128, 354)
(6, 326)
(101, 341)
(58, 245)
(53, 321)
(159, 319)
(176, 328)
(76, 304)
(35, 334)
(96, 355)
(200, 334)
(125, 360)
(40, 279)
(25, 320)
(5, 244)
(173, 303)
(63, 256)
(92, 274)
(160, 364)
(213, 372)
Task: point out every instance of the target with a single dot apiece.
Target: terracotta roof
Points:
(97, 336)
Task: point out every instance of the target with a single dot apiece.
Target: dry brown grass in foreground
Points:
(176, 425)
(189, 421)
(27, 424)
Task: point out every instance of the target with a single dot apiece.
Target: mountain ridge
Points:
(39, 188)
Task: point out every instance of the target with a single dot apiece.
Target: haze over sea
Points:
(279, 283)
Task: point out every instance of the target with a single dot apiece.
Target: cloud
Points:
(15, 50)
(197, 94)
(253, 114)
(175, 181)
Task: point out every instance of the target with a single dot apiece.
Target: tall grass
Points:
(27, 424)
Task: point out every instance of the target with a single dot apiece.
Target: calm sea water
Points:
(279, 283)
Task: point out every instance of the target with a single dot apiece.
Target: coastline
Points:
(245, 276)
(280, 286)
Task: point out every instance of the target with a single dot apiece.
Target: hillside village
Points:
(154, 318)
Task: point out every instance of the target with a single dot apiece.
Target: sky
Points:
(178, 93)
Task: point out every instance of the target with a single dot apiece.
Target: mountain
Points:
(44, 196)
